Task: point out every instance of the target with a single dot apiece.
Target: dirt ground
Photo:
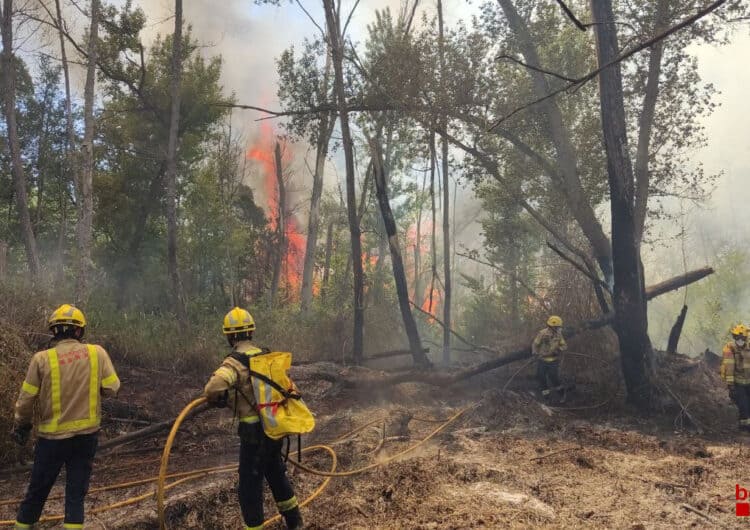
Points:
(509, 462)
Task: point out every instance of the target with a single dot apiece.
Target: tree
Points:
(631, 323)
(397, 262)
(8, 66)
(86, 174)
(171, 165)
(446, 195)
(336, 40)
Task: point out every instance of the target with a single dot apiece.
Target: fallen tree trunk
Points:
(368, 379)
(146, 431)
(675, 283)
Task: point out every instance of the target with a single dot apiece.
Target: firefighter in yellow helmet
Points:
(260, 456)
(64, 384)
(735, 372)
(548, 344)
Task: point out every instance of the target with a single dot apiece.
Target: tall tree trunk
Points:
(69, 134)
(337, 52)
(7, 60)
(171, 173)
(325, 130)
(567, 178)
(3, 260)
(630, 323)
(418, 294)
(446, 197)
(327, 263)
(280, 247)
(399, 274)
(69, 143)
(433, 238)
(646, 122)
(86, 179)
(314, 221)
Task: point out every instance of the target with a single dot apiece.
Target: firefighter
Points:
(548, 344)
(735, 372)
(64, 384)
(260, 456)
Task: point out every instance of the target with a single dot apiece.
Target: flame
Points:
(428, 307)
(261, 151)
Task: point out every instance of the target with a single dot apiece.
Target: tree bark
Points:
(672, 284)
(569, 181)
(674, 334)
(171, 172)
(433, 237)
(631, 325)
(325, 130)
(446, 197)
(7, 59)
(86, 179)
(3, 260)
(646, 122)
(280, 247)
(327, 263)
(337, 53)
(399, 274)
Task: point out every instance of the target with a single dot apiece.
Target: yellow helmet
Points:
(740, 330)
(69, 315)
(554, 321)
(238, 320)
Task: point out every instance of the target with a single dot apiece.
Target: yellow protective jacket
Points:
(735, 364)
(234, 377)
(548, 344)
(65, 383)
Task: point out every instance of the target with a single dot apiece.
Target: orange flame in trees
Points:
(261, 151)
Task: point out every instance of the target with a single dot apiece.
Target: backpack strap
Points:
(244, 359)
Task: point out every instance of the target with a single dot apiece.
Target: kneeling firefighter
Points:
(64, 384)
(735, 372)
(548, 344)
(269, 408)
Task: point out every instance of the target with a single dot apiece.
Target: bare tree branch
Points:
(571, 16)
(541, 70)
(574, 85)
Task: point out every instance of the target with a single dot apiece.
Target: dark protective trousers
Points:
(260, 457)
(77, 455)
(740, 394)
(548, 376)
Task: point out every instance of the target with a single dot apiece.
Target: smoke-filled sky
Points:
(250, 37)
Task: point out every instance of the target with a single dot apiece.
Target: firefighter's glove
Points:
(21, 434)
(221, 401)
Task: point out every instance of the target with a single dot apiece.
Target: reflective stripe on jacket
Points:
(66, 382)
(233, 375)
(735, 364)
(548, 344)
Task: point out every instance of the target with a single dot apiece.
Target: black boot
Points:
(293, 519)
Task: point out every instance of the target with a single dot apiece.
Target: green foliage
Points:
(715, 304)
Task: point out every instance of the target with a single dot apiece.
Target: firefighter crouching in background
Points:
(547, 347)
(735, 372)
(260, 456)
(65, 383)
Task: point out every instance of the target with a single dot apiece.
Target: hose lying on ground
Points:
(183, 477)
